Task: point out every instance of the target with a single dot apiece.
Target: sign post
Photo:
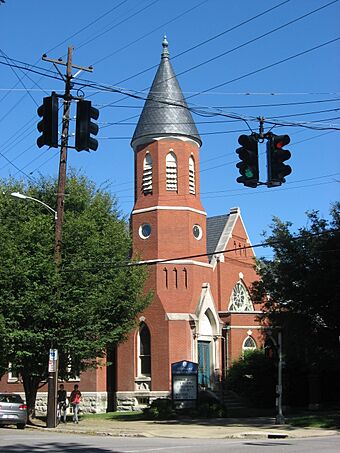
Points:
(184, 378)
(52, 388)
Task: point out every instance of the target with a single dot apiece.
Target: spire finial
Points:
(165, 45)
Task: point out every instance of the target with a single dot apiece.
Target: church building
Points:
(200, 268)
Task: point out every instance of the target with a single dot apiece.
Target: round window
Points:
(145, 230)
(197, 231)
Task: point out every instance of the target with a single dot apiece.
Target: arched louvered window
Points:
(147, 174)
(171, 171)
(144, 347)
(192, 182)
(240, 299)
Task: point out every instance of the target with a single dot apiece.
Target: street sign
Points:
(53, 360)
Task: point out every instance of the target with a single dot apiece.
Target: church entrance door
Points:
(204, 363)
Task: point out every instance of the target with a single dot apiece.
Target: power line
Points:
(256, 39)
(256, 71)
(148, 34)
(87, 26)
(242, 45)
(119, 23)
(269, 243)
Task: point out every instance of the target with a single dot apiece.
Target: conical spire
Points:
(165, 111)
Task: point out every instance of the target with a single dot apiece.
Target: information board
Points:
(184, 384)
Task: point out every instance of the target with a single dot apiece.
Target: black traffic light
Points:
(48, 125)
(276, 155)
(85, 127)
(249, 165)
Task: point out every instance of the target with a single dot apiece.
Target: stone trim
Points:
(92, 403)
(168, 208)
(136, 401)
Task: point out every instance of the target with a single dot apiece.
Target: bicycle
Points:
(61, 411)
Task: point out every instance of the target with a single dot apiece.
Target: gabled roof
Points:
(215, 227)
(219, 231)
(165, 111)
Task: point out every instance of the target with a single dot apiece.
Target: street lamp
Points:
(26, 197)
(53, 354)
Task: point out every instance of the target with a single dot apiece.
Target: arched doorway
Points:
(205, 351)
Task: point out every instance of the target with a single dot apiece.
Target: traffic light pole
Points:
(53, 375)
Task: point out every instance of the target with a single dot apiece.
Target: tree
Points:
(301, 290)
(87, 306)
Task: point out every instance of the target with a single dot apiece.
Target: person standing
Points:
(75, 399)
(62, 402)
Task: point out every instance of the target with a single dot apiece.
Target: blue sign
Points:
(184, 367)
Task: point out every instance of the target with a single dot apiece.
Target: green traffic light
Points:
(248, 173)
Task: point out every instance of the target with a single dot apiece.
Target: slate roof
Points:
(215, 228)
(165, 111)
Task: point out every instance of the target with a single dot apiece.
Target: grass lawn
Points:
(124, 416)
(319, 419)
(323, 419)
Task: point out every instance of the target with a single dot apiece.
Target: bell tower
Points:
(168, 220)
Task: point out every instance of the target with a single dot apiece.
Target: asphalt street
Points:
(35, 441)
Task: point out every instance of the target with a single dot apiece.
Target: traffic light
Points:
(48, 125)
(249, 165)
(276, 155)
(85, 127)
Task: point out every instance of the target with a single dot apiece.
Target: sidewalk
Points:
(232, 428)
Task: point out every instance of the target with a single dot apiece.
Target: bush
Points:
(254, 377)
(160, 409)
(208, 406)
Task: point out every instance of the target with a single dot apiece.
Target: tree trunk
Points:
(31, 385)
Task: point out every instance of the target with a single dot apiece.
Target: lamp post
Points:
(26, 197)
(53, 353)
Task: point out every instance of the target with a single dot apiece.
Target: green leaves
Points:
(91, 303)
(301, 290)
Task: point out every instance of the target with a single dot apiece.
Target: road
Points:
(34, 441)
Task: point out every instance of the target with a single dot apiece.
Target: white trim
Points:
(200, 232)
(175, 261)
(149, 139)
(257, 312)
(180, 317)
(248, 327)
(170, 208)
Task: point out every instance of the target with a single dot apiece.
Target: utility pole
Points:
(53, 370)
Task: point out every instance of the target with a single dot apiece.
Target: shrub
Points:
(254, 377)
(160, 409)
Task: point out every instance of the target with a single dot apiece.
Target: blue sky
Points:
(122, 40)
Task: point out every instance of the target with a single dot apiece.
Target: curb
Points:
(229, 434)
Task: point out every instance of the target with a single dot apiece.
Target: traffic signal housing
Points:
(249, 164)
(85, 127)
(48, 126)
(276, 156)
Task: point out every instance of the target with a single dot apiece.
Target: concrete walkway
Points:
(255, 428)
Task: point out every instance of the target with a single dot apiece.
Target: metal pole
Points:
(280, 420)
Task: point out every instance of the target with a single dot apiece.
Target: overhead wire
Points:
(297, 54)
(181, 15)
(119, 23)
(129, 263)
(256, 71)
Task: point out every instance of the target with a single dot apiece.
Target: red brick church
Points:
(199, 269)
